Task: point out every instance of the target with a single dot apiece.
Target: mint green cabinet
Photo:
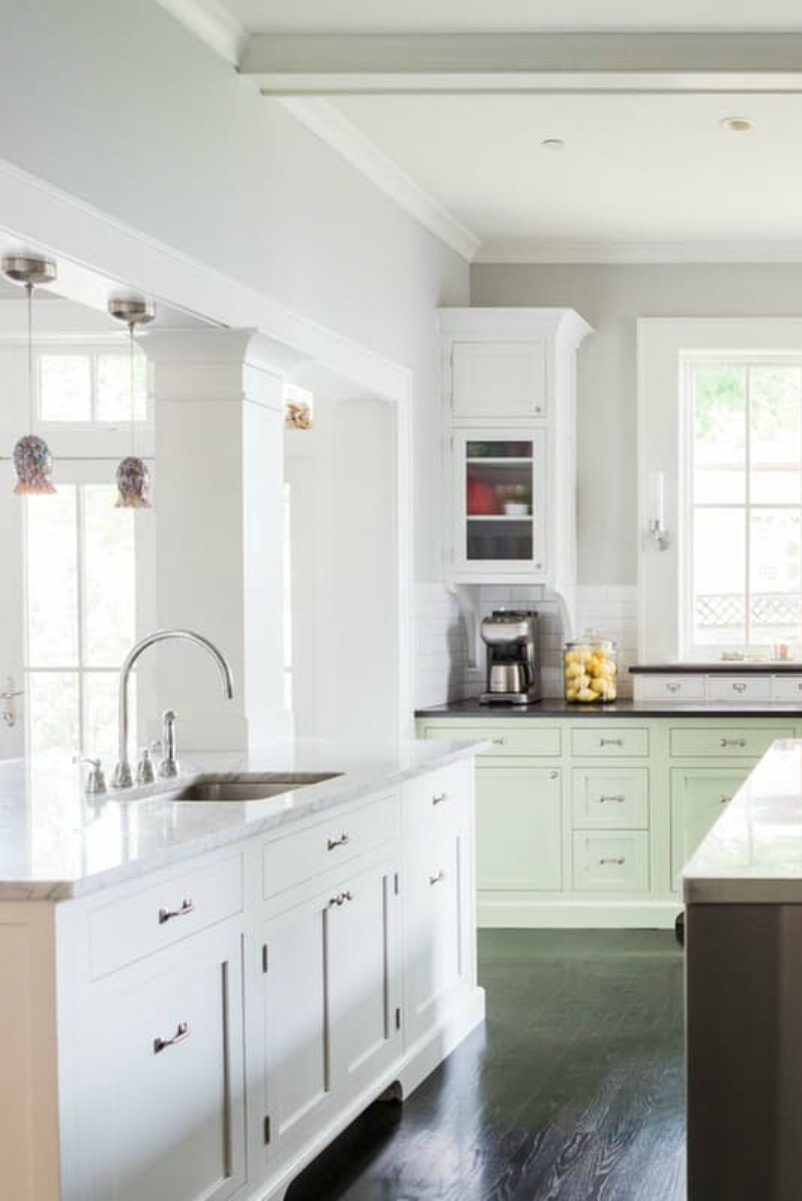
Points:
(699, 795)
(519, 828)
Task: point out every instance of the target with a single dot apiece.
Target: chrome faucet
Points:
(122, 772)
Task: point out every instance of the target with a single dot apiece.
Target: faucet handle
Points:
(144, 768)
(169, 767)
(95, 783)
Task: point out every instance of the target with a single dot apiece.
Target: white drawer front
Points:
(138, 925)
(611, 740)
(787, 688)
(611, 861)
(617, 797)
(669, 688)
(732, 741)
(323, 847)
(739, 688)
(436, 804)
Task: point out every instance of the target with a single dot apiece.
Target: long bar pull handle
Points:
(180, 1036)
(167, 915)
(342, 841)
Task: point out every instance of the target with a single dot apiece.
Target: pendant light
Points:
(133, 476)
(32, 459)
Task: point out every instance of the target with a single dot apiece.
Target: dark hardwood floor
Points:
(572, 1092)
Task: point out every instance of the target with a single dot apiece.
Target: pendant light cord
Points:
(131, 387)
(29, 290)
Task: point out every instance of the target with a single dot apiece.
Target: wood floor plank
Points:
(573, 1092)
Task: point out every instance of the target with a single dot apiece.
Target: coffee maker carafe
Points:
(513, 657)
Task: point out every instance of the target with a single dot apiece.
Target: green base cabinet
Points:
(588, 822)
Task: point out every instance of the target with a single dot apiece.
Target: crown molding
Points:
(342, 136)
(565, 252)
(210, 21)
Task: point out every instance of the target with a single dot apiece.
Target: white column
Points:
(219, 520)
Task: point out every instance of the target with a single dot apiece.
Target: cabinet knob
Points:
(439, 798)
(167, 915)
(733, 742)
(180, 1036)
(438, 878)
(618, 860)
(342, 841)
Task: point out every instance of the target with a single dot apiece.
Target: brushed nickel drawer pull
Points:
(733, 742)
(618, 860)
(342, 841)
(438, 878)
(739, 687)
(439, 798)
(499, 742)
(616, 798)
(611, 742)
(180, 1036)
(341, 898)
(167, 915)
(725, 800)
(673, 687)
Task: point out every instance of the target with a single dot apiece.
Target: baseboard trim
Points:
(495, 914)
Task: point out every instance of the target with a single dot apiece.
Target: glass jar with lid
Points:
(590, 670)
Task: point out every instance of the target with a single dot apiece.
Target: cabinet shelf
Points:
(499, 460)
(499, 517)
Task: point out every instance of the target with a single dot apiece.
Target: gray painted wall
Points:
(611, 298)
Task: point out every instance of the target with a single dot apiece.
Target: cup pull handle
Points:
(180, 1036)
(167, 915)
(673, 687)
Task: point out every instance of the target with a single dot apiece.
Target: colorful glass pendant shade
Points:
(32, 460)
(133, 476)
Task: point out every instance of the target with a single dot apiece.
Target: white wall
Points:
(611, 298)
(120, 106)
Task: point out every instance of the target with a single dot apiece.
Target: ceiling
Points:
(646, 171)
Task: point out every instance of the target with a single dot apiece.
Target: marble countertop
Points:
(551, 707)
(753, 854)
(56, 843)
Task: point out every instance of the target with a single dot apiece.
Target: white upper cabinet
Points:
(509, 388)
(505, 379)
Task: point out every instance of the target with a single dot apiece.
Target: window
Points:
(80, 615)
(720, 431)
(90, 384)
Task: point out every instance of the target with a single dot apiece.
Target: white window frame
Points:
(664, 347)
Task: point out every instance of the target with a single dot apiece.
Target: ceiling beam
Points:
(331, 64)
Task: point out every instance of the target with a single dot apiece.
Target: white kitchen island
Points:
(743, 894)
(196, 996)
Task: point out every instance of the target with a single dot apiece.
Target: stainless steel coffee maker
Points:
(513, 657)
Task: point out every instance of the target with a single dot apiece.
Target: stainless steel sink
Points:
(249, 788)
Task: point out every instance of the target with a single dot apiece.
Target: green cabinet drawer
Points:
(612, 797)
(611, 740)
(611, 861)
(726, 741)
(518, 737)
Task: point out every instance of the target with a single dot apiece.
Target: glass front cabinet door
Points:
(500, 491)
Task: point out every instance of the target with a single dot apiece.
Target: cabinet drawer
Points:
(611, 861)
(436, 804)
(610, 741)
(135, 926)
(787, 688)
(519, 738)
(610, 796)
(320, 848)
(739, 688)
(732, 741)
(671, 688)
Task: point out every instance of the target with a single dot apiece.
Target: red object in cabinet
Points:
(481, 498)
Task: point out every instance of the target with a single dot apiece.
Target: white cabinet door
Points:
(161, 1099)
(362, 946)
(498, 380)
(295, 1015)
(698, 798)
(519, 828)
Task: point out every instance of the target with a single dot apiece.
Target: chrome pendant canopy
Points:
(33, 462)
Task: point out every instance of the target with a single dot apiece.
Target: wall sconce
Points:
(658, 536)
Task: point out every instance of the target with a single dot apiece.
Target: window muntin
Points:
(742, 482)
(90, 384)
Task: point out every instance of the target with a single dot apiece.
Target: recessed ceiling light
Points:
(737, 124)
(553, 144)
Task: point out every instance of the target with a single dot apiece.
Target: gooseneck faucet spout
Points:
(122, 773)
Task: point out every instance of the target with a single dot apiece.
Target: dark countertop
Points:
(551, 707)
(729, 667)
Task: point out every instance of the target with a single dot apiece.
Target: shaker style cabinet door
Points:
(499, 502)
(698, 797)
(498, 380)
(519, 829)
(161, 1106)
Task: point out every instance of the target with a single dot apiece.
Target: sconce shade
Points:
(34, 467)
(133, 484)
